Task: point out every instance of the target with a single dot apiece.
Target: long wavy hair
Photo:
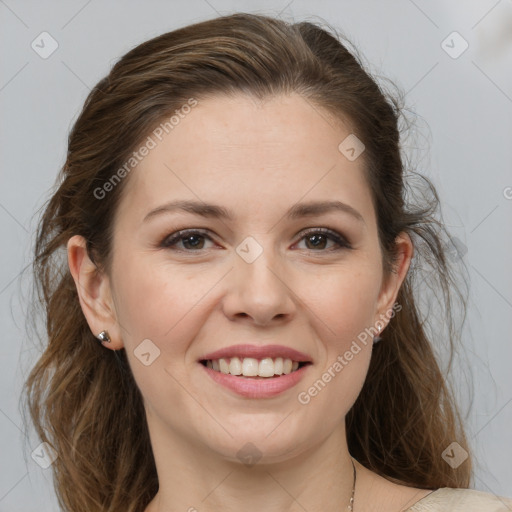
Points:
(83, 399)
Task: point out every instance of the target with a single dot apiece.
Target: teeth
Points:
(266, 367)
(224, 367)
(235, 366)
(251, 367)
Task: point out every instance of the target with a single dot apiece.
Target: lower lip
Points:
(257, 388)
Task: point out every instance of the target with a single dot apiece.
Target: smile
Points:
(251, 367)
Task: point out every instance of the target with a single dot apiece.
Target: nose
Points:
(260, 291)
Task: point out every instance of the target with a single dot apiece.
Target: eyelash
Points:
(169, 241)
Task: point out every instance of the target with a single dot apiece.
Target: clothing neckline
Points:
(424, 499)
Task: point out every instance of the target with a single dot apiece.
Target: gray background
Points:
(464, 108)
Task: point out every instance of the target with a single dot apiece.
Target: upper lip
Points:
(258, 352)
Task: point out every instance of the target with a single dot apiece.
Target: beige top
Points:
(461, 500)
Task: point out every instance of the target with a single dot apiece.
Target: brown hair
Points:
(83, 399)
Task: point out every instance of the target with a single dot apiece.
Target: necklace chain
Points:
(350, 507)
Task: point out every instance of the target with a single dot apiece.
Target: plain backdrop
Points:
(462, 98)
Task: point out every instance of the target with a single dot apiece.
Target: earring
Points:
(104, 336)
(377, 338)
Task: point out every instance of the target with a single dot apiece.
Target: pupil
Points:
(318, 238)
(188, 238)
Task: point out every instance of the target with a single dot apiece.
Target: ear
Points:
(392, 283)
(94, 292)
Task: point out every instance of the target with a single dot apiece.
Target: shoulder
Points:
(461, 500)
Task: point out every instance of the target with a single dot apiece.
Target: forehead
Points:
(244, 151)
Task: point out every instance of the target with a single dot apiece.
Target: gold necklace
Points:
(350, 506)
(351, 502)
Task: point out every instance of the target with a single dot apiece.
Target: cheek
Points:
(154, 299)
(148, 306)
(158, 322)
(162, 310)
(344, 314)
(345, 303)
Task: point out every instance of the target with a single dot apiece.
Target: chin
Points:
(265, 441)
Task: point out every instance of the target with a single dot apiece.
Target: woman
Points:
(236, 326)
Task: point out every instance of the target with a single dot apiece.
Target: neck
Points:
(194, 478)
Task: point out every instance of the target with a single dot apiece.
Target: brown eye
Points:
(318, 238)
(191, 240)
(194, 240)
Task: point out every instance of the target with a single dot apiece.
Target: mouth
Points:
(252, 368)
(256, 372)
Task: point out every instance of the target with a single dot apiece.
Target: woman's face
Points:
(259, 277)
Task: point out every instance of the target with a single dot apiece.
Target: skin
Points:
(257, 159)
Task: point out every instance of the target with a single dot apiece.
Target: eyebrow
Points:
(299, 210)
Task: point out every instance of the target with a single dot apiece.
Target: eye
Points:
(193, 240)
(319, 236)
(189, 238)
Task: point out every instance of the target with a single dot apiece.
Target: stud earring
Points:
(103, 336)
